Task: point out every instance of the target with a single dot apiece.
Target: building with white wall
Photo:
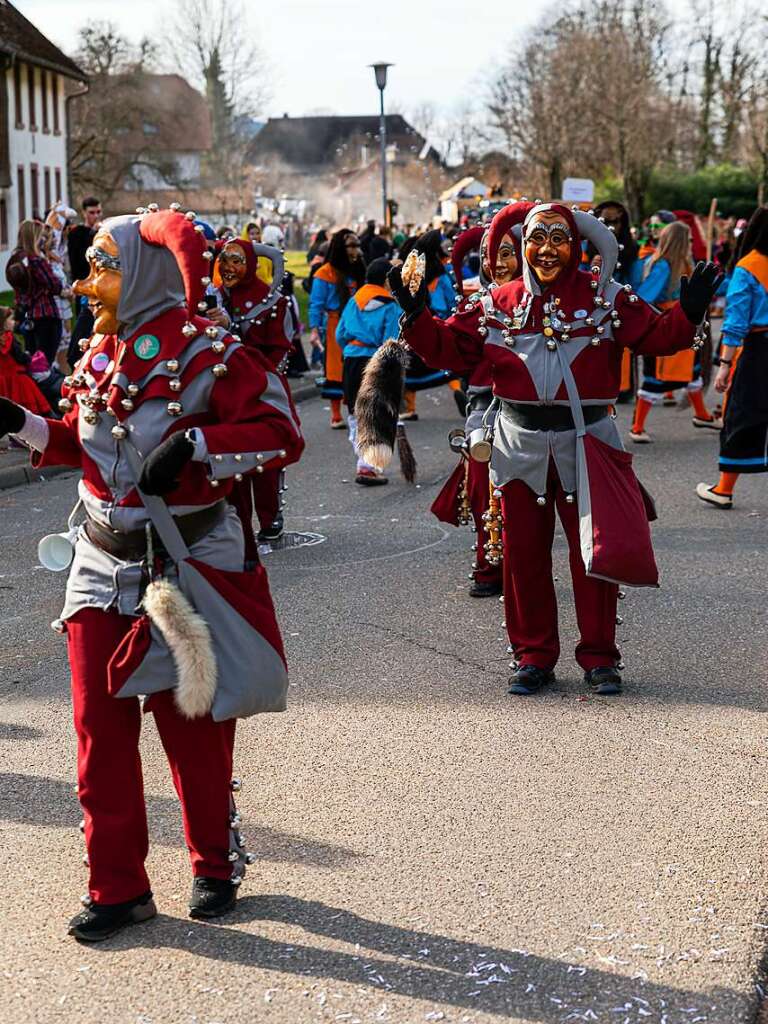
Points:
(35, 80)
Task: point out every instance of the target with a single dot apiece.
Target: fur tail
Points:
(189, 641)
(378, 404)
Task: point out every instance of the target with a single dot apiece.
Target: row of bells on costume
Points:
(551, 322)
(238, 856)
(95, 401)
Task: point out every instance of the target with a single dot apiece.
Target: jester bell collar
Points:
(146, 346)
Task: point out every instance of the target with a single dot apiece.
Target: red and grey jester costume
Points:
(260, 315)
(555, 357)
(166, 372)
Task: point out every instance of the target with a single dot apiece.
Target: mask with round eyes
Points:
(548, 245)
(232, 265)
(102, 286)
(506, 261)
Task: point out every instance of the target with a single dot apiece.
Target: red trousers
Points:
(529, 591)
(479, 494)
(110, 785)
(259, 493)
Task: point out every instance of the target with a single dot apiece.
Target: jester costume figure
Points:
(164, 412)
(554, 341)
(261, 316)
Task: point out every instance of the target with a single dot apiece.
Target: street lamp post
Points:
(380, 70)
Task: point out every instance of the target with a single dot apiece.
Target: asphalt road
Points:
(429, 848)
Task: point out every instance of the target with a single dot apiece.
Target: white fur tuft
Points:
(377, 455)
(189, 641)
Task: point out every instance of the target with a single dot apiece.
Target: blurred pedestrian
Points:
(15, 381)
(79, 238)
(36, 288)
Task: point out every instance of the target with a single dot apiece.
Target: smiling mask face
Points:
(104, 282)
(548, 244)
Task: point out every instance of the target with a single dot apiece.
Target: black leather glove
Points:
(697, 291)
(12, 417)
(411, 305)
(161, 469)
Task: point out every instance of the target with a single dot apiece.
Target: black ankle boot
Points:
(99, 921)
(485, 589)
(272, 532)
(529, 679)
(604, 681)
(211, 897)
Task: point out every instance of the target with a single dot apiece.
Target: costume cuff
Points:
(224, 465)
(35, 432)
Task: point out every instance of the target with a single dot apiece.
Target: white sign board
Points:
(578, 190)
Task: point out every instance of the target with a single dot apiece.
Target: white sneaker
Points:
(640, 437)
(707, 493)
(714, 424)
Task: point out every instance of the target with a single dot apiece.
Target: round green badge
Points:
(146, 346)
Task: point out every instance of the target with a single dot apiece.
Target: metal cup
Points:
(480, 444)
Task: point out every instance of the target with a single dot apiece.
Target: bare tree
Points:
(108, 144)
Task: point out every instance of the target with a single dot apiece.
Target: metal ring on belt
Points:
(132, 546)
(549, 417)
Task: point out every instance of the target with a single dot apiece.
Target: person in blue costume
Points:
(369, 319)
(743, 371)
(333, 284)
(441, 301)
(660, 286)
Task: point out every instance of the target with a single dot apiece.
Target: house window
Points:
(47, 187)
(34, 188)
(22, 193)
(55, 101)
(44, 95)
(57, 179)
(3, 225)
(31, 94)
(17, 94)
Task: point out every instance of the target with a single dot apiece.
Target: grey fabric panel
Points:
(584, 506)
(97, 580)
(155, 673)
(275, 395)
(152, 283)
(600, 235)
(251, 675)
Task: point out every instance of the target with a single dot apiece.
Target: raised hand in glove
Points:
(161, 470)
(411, 305)
(12, 417)
(697, 291)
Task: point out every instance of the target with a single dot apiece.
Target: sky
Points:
(319, 49)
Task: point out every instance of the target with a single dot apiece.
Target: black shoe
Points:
(211, 897)
(529, 679)
(371, 479)
(272, 532)
(461, 400)
(485, 589)
(604, 681)
(96, 923)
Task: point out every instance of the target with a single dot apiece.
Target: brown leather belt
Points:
(132, 546)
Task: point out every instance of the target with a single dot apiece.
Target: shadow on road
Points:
(33, 800)
(435, 968)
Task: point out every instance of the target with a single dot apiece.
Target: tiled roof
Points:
(20, 40)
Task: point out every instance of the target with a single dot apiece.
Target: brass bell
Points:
(236, 785)
(236, 880)
(250, 858)
(219, 370)
(172, 365)
(175, 408)
(189, 330)
(233, 856)
(65, 405)
(211, 332)
(551, 345)
(541, 500)
(67, 382)
(133, 390)
(81, 825)
(238, 457)
(595, 341)
(86, 900)
(91, 418)
(282, 453)
(175, 384)
(119, 432)
(238, 477)
(617, 323)
(218, 347)
(127, 404)
(570, 499)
